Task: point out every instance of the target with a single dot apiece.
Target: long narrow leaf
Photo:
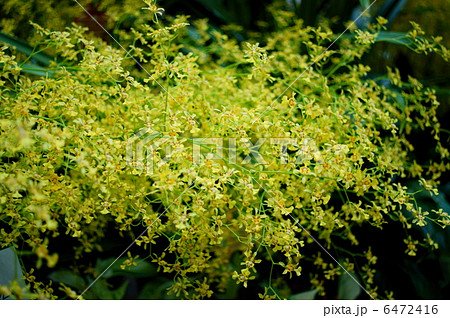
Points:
(36, 70)
(364, 3)
(23, 47)
(388, 36)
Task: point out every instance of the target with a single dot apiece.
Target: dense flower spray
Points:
(329, 150)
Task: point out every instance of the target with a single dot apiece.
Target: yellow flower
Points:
(411, 246)
(131, 261)
(250, 260)
(68, 291)
(290, 267)
(154, 10)
(243, 277)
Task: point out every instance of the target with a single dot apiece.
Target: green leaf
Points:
(119, 292)
(444, 261)
(100, 290)
(25, 48)
(36, 70)
(217, 8)
(69, 278)
(10, 269)
(364, 3)
(425, 288)
(193, 33)
(348, 289)
(390, 9)
(393, 37)
(231, 291)
(142, 269)
(441, 201)
(156, 290)
(307, 295)
(388, 36)
(440, 90)
(308, 11)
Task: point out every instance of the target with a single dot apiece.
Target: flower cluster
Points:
(343, 138)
